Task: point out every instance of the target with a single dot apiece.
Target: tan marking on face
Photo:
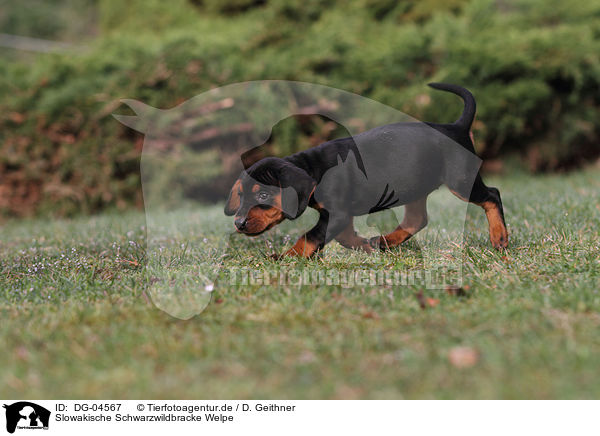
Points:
(260, 219)
(235, 197)
(255, 188)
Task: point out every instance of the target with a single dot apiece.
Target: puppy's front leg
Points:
(319, 235)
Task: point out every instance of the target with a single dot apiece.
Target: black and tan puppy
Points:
(388, 166)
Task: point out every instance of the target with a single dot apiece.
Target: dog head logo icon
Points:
(26, 415)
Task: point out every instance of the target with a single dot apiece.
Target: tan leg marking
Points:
(498, 232)
(415, 218)
(349, 239)
(302, 248)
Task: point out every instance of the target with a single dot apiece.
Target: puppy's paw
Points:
(290, 254)
(378, 243)
(366, 247)
(499, 238)
(500, 241)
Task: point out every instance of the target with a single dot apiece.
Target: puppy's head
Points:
(268, 192)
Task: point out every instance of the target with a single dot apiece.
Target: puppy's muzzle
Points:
(240, 223)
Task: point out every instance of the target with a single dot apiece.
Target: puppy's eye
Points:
(262, 196)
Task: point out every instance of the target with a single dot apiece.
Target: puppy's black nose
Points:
(240, 223)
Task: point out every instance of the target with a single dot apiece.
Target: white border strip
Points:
(316, 417)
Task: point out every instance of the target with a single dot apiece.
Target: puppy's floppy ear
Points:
(233, 201)
(297, 187)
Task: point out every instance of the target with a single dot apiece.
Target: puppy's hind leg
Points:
(349, 239)
(415, 219)
(489, 199)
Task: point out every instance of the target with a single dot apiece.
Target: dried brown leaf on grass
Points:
(425, 302)
(463, 357)
(457, 291)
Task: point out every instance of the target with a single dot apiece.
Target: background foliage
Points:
(534, 66)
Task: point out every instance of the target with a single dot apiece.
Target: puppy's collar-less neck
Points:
(316, 161)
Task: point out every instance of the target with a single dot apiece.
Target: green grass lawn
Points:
(78, 321)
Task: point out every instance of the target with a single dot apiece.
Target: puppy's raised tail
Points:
(466, 119)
